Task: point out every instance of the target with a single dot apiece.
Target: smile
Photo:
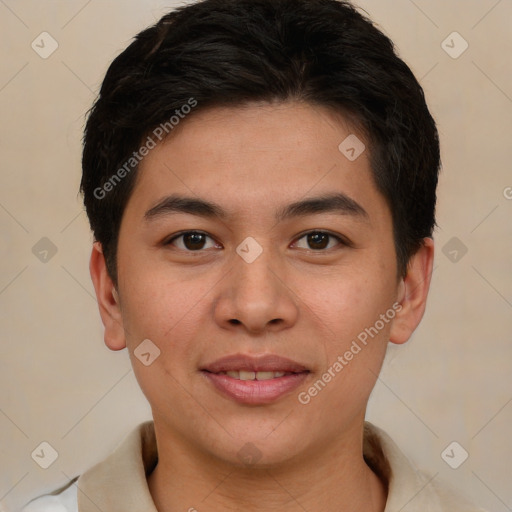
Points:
(248, 375)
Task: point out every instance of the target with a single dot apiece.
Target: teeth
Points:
(245, 375)
(264, 375)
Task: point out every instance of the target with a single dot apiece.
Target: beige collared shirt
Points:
(118, 483)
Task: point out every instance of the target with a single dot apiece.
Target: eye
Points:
(319, 240)
(191, 241)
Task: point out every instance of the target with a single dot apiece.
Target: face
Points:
(250, 234)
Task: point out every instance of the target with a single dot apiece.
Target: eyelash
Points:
(342, 241)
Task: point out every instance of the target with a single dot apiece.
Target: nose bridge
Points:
(255, 278)
(255, 294)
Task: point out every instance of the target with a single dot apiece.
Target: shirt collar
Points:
(119, 482)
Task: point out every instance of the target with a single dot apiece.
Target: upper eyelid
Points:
(340, 238)
(182, 233)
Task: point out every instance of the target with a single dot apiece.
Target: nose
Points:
(256, 296)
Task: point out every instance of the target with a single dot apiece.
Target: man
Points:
(260, 177)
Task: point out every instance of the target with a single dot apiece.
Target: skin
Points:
(295, 300)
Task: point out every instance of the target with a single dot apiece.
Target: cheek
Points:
(161, 308)
(350, 312)
(168, 313)
(349, 304)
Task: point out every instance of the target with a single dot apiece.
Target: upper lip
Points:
(265, 363)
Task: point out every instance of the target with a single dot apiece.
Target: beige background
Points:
(60, 384)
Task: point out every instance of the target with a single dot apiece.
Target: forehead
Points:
(258, 156)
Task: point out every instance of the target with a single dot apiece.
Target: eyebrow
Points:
(338, 203)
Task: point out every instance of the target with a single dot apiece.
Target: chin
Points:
(258, 448)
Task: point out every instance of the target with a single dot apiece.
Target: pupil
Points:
(193, 239)
(315, 239)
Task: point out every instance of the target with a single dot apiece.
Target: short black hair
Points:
(235, 52)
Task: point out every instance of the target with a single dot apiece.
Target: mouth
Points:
(255, 380)
(249, 375)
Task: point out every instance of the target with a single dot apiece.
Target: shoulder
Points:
(121, 474)
(64, 499)
(409, 489)
(447, 499)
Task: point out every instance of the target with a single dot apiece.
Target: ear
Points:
(108, 300)
(413, 292)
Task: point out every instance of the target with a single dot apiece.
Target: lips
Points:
(255, 380)
(266, 363)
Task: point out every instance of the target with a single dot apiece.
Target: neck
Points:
(333, 479)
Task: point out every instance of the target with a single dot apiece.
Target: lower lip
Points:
(256, 391)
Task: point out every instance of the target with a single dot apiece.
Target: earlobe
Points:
(108, 300)
(412, 293)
